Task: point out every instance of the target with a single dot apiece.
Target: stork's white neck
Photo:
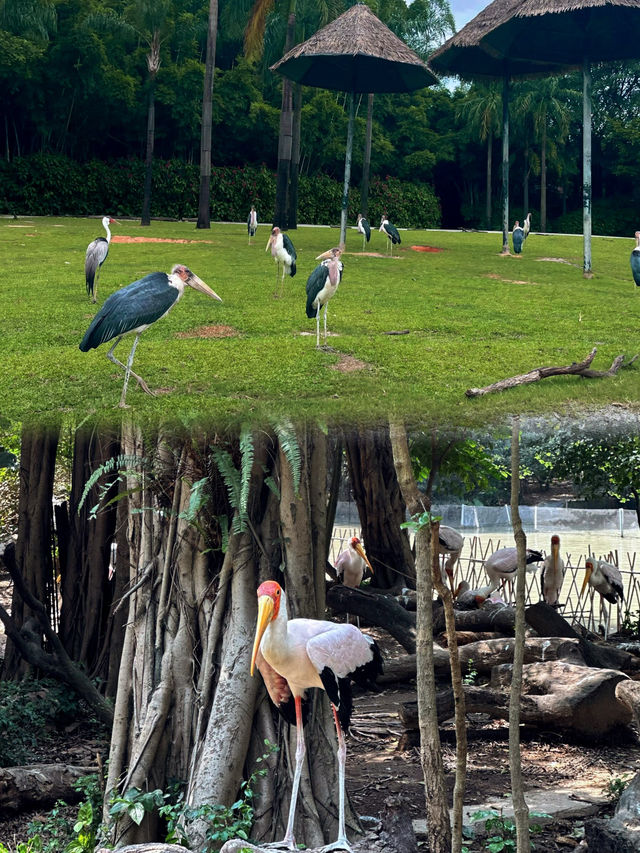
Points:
(177, 282)
(105, 222)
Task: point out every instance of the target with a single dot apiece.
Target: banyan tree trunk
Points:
(34, 548)
(381, 508)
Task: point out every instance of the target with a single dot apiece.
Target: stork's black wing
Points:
(138, 304)
(393, 232)
(315, 283)
(288, 245)
(366, 227)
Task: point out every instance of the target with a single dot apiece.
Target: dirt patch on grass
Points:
(558, 261)
(349, 364)
(210, 332)
(497, 277)
(123, 238)
(426, 249)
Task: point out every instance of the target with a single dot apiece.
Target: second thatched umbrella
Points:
(355, 53)
(528, 37)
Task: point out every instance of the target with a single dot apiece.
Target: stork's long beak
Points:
(360, 550)
(269, 241)
(198, 284)
(587, 575)
(555, 553)
(265, 613)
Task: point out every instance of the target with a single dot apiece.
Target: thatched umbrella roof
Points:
(356, 53)
(541, 36)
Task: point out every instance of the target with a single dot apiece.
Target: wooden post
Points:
(347, 170)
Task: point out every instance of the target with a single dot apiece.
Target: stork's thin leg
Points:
(94, 295)
(326, 306)
(318, 326)
(342, 842)
(300, 753)
(127, 369)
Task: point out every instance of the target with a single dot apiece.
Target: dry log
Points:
(492, 616)
(547, 622)
(38, 785)
(381, 610)
(628, 692)
(581, 368)
(369, 843)
(466, 637)
(556, 694)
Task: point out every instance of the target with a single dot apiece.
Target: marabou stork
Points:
(501, 566)
(466, 598)
(635, 260)
(364, 228)
(283, 253)
(252, 223)
(322, 285)
(391, 231)
(296, 654)
(517, 237)
(449, 542)
(97, 252)
(553, 570)
(134, 308)
(527, 225)
(606, 579)
(351, 562)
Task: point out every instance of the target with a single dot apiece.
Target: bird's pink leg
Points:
(318, 326)
(288, 839)
(341, 842)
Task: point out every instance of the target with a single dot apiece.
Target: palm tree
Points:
(482, 110)
(151, 22)
(548, 103)
(204, 208)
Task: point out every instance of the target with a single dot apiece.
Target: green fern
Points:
(291, 449)
(122, 464)
(197, 499)
(231, 478)
(247, 448)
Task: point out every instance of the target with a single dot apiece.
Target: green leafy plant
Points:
(501, 831)
(472, 673)
(615, 786)
(135, 804)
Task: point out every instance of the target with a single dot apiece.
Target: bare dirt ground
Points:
(378, 769)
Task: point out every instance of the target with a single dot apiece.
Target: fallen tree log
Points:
(382, 610)
(581, 368)
(39, 785)
(492, 616)
(556, 694)
(547, 622)
(628, 692)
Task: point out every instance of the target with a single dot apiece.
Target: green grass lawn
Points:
(472, 316)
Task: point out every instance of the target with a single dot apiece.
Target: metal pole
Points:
(347, 170)
(586, 165)
(505, 161)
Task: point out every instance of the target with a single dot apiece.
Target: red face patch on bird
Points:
(274, 591)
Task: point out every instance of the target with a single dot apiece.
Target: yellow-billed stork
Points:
(466, 598)
(136, 307)
(553, 570)
(296, 654)
(350, 563)
(449, 542)
(606, 579)
(322, 285)
(391, 231)
(252, 223)
(364, 228)
(635, 260)
(283, 252)
(96, 254)
(501, 566)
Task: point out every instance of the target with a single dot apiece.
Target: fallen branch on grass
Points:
(581, 368)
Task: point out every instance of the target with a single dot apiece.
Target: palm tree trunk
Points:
(505, 162)
(366, 159)
(285, 139)
(489, 159)
(525, 181)
(204, 207)
(148, 173)
(543, 178)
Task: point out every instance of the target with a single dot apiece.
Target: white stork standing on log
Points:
(517, 237)
(553, 570)
(391, 231)
(322, 285)
(501, 566)
(296, 654)
(283, 252)
(350, 563)
(606, 579)
(95, 256)
(635, 260)
(449, 542)
(252, 223)
(364, 228)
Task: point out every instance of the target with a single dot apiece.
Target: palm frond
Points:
(254, 33)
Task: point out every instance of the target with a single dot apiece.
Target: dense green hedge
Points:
(50, 185)
(613, 217)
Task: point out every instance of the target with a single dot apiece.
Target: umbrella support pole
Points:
(586, 166)
(347, 170)
(505, 162)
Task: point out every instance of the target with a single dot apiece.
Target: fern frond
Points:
(229, 474)
(291, 449)
(246, 464)
(197, 499)
(122, 464)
